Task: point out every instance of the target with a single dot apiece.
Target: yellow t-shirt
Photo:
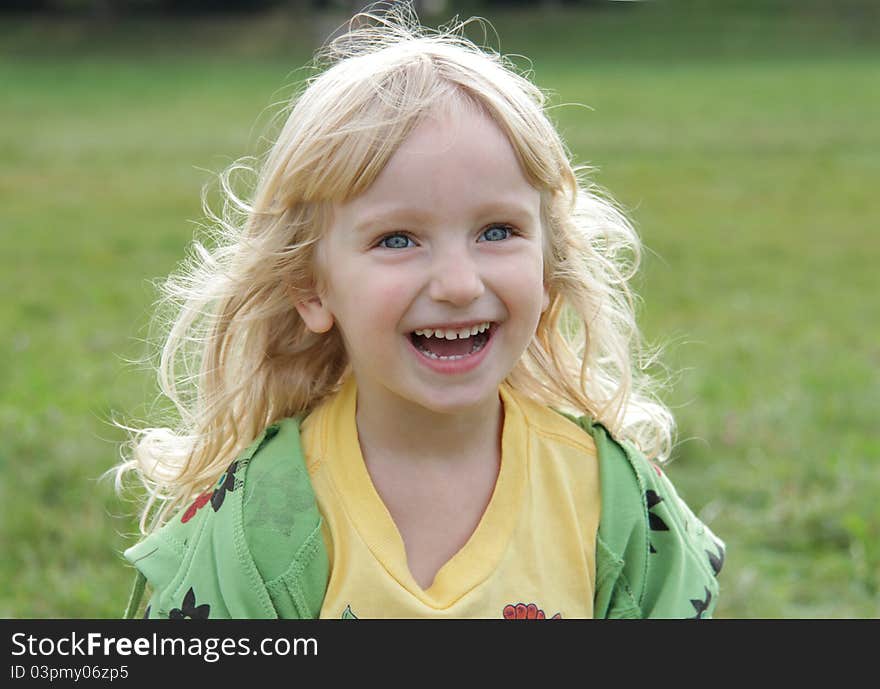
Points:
(532, 553)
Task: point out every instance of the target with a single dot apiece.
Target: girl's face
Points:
(434, 275)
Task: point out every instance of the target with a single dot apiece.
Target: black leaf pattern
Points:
(655, 522)
(701, 606)
(226, 484)
(189, 609)
(716, 561)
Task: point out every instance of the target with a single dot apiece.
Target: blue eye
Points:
(395, 241)
(496, 233)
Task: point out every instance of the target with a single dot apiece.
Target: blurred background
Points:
(742, 138)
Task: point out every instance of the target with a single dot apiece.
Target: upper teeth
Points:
(459, 333)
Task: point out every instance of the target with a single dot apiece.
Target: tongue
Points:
(443, 347)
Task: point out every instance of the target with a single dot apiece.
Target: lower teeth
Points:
(478, 345)
(431, 355)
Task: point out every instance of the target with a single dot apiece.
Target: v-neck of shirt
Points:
(474, 562)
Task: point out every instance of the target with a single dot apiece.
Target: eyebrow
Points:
(404, 215)
(392, 216)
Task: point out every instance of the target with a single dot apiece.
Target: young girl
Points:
(414, 389)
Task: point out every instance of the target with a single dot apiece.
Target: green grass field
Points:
(745, 147)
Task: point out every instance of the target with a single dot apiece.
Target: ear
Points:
(315, 314)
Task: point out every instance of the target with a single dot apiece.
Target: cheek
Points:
(390, 292)
(361, 299)
(524, 281)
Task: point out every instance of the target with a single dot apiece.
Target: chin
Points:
(452, 401)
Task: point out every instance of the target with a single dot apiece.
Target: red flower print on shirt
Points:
(198, 504)
(521, 611)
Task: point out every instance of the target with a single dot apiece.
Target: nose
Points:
(455, 277)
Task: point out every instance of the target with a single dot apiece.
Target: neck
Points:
(395, 429)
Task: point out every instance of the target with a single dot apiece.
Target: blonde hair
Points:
(238, 357)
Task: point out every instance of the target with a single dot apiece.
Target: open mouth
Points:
(450, 344)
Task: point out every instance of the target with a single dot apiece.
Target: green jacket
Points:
(252, 547)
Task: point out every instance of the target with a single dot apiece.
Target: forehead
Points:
(455, 153)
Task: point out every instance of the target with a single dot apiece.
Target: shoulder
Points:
(549, 425)
(655, 558)
(280, 511)
(210, 559)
